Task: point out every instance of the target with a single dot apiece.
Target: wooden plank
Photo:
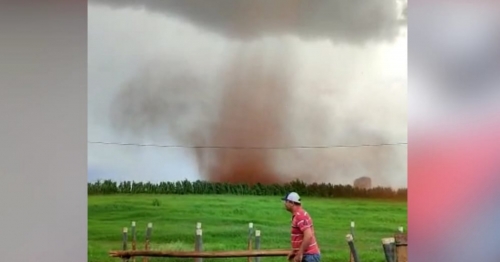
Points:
(205, 254)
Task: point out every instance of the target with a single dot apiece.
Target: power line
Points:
(248, 148)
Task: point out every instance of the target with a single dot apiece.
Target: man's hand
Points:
(290, 255)
(298, 256)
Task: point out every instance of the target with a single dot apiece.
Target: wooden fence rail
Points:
(203, 254)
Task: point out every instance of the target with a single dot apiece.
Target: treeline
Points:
(107, 187)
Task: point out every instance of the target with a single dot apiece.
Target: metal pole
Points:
(198, 246)
(350, 242)
(257, 244)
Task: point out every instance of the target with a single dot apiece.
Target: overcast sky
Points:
(346, 63)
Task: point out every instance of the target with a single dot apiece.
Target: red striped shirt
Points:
(300, 222)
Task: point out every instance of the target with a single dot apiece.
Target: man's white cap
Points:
(293, 197)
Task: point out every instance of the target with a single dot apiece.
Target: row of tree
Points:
(204, 187)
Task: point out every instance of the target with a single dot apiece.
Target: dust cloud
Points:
(252, 115)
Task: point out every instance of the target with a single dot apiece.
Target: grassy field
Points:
(225, 223)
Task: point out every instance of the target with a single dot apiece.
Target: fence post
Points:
(125, 239)
(350, 242)
(388, 245)
(352, 229)
(198, 244)
(401, 247)
(250, 234)
(351, 256)
(257, 244)
(393, 244)
(148, 238)
(134, 239)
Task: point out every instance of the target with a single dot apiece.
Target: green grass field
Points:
(225, 221)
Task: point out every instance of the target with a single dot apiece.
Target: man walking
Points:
(304, 245)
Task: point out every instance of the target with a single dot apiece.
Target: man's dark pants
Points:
(311, 258)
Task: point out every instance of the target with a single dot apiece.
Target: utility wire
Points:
(248, 148)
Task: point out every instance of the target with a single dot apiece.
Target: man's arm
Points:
(306, 241)
(305, 226)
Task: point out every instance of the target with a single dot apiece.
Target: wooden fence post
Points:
(198, 245)
(250, 235)
(134, 238)
(388, 246)
(401, 247)
(148, 238)
(257, 244)
(350, 242)
(125, 239)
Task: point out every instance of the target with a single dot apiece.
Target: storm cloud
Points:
(352, 21)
